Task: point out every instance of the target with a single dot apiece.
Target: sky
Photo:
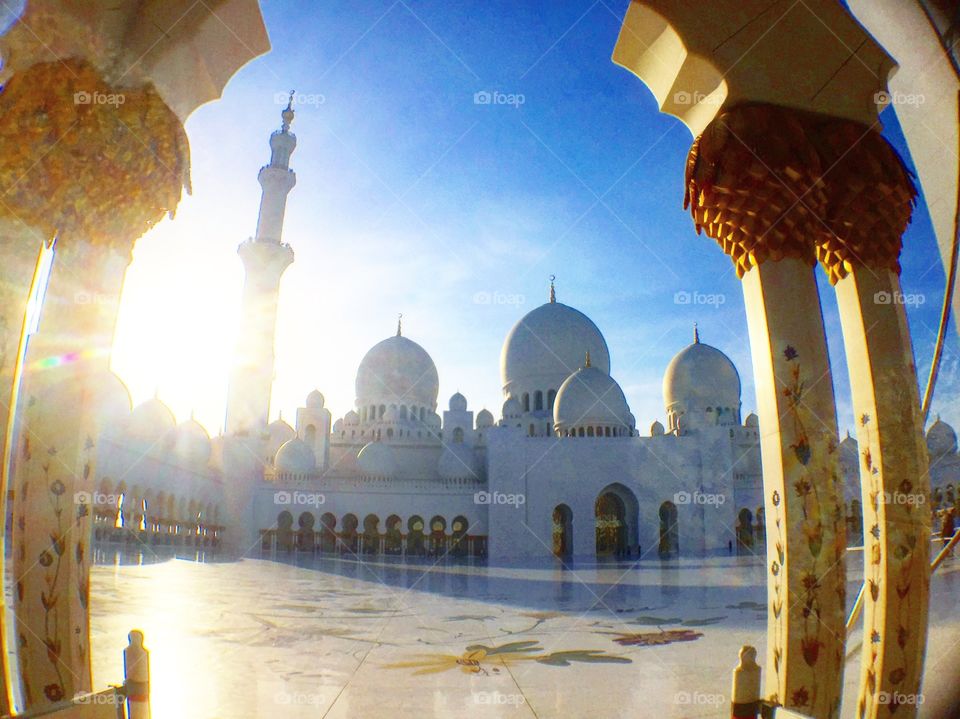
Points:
(414, 198)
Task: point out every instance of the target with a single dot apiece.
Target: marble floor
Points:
(341, 638)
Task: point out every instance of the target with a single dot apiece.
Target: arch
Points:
(328, 532)
(551, 398)
(538, 400)
(457, 435)
(285, 531)
(423, 413)
(381, 410)
(393, 537)
(310, 433)
(459, 529)
(526, 401)
(669, 530)
(415, 537)
(348, 533)
(371, 534)
(438, 535)
(744, 531)
(616, 512)
(589, 431)
(305, 536)
(562, 531)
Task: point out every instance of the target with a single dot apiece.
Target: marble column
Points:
(66, 372)
(752, 184)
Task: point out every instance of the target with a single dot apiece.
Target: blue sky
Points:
(412, 198)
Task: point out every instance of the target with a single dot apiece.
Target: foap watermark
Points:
(83, 297)
(498, 699)
(495, 97)
(99, 98)
(699, 498)
(299, 99)
(899, 699)
(908, 499)
(882, 99)
(498, 298)
(297, 699)
(515, 500)
(105, 698)
(699, 699)
(682, 97)
(899, 298)
(96, 499)
(699, 298)
(298, 499)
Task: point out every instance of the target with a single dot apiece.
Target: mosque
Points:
(564, 471)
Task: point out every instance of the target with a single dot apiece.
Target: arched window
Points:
(551, 396)
(526, 401)
(403, 412)
(310, 434)
(389, 432)
(580, 432)
(381, 410)
(363, 415)
(538, 400)
(606, 431)
(589, 431)
(531, 430)
(423, 413)
(457, 436)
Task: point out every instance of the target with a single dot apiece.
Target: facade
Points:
(563, 471)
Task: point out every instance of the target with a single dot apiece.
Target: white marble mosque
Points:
(564, 470)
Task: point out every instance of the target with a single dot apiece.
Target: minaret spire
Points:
(553, 291)
(265, 259)
(399, 325)
(696, 334)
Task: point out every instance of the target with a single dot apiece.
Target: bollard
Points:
(136, 668)
(745, 696)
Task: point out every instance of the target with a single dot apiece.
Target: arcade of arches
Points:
(347, 535)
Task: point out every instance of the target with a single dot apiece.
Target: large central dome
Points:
(548, 345)
(397, 371)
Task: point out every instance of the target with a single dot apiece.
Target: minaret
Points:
(264, 260)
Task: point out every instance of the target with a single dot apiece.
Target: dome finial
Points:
(399, 321)
(553, 291)
(587, 361)
(288, 113)
(696, 334)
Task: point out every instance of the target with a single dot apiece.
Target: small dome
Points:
(941, 439)
(458, 462)
(315, 400)
(278, 432)
(458, 403)
(377, 460)
(397, 371)
(191, 443)
(484, 418)
(338, 426)
(295, 457)
(150, 421)
(656, 429)
(546, 346)
(753, 421)
(112, 404)
(590, 398)
(512, 409)
(351, 418)
(701, 378)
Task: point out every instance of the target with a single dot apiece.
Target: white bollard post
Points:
(745, 696)
(136, 667)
